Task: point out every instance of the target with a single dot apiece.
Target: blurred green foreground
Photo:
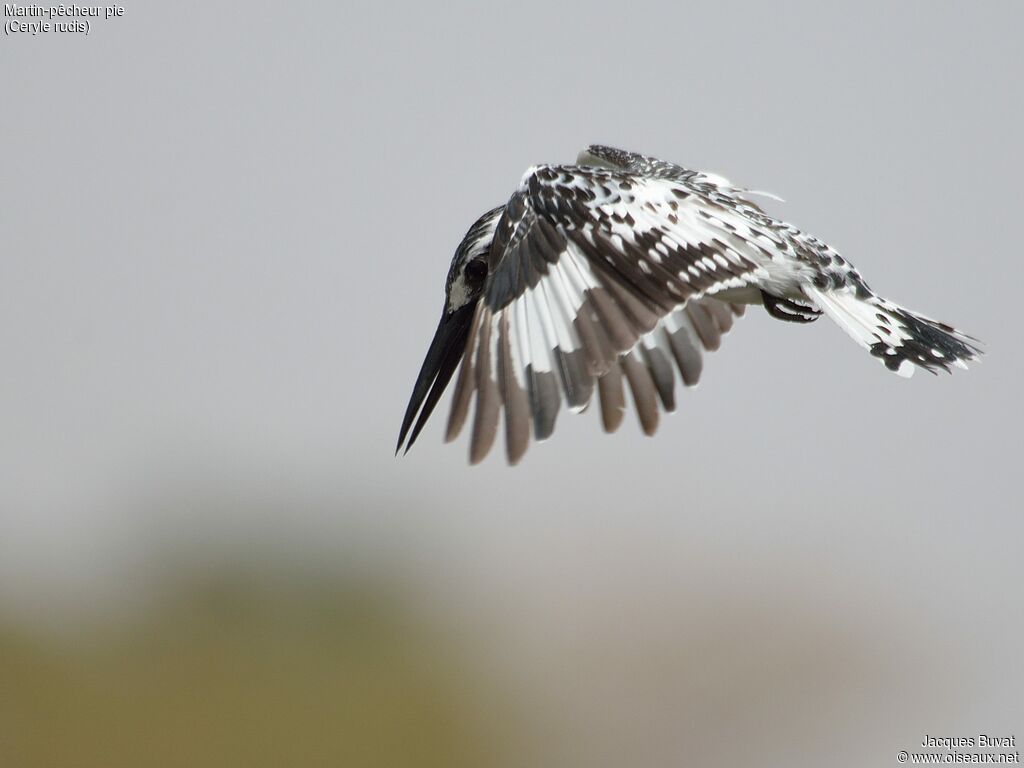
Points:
(224, 672)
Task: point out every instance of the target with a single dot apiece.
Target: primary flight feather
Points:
(625, 268)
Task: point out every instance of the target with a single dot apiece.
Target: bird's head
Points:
(468, 272)
(463, 289)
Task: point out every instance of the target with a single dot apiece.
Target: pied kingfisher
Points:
(623, 266)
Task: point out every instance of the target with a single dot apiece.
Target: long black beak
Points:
(442, 359)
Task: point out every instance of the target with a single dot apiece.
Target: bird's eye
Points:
(476, 271)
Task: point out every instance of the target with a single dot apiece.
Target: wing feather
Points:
(517, 409)
(645, 395)
(613, 399)
(599, 275)
(465, 384)
(658, 359)
(485, 417)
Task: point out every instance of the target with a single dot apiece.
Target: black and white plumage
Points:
(625, 268)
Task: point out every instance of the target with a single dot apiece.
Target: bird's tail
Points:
(898, 337)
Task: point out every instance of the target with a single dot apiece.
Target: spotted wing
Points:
(598, 276)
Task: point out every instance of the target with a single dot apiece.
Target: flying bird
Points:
(625, 268)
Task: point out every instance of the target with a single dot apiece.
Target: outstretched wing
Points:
(599, 275)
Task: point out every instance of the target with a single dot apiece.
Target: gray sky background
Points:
(225, 235)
